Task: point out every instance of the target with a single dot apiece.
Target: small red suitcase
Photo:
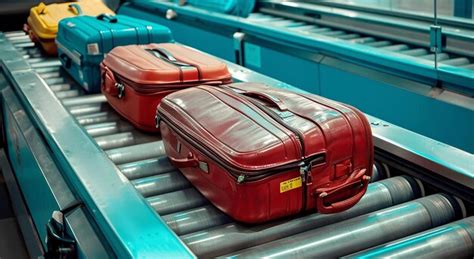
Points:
(259, 153)
(137, 77)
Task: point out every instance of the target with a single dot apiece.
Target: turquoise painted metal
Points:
(130, 226)
(384, 83)
(125, 220)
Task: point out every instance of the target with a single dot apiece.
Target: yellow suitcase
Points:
(42, 24)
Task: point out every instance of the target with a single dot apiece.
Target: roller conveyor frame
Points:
(61, 132)
(357, 71)
(262, 31)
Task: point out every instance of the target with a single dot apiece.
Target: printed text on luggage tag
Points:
(290, 184)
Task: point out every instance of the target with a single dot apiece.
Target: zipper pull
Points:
(157, 121)
(303, 171)
(120, 87)
(241, 178)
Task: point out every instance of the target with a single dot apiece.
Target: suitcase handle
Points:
(42, 8)
(67, 60)
(190, 161)
(355, 180)
(76, 9)
(107, 17)
(268, 98)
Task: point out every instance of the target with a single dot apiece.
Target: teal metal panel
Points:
(36, 192)
(299, 72)
(271, 51)
(449, 123)
(130, 225)
(43, 188)
(208, 41)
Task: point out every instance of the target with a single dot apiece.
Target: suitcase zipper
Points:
(149, 88)
(304, 166)
(235, 172)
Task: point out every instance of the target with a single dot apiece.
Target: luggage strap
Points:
(76, 9)
(166, 56)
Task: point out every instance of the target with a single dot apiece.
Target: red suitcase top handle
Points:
(268, 98)
(357, 178)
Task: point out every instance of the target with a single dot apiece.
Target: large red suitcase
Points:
(259, 153)
(136, 77)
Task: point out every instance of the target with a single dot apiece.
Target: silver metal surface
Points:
(136, 152)
(91, 174)
(88, 108)
(197, 219)
(454, 240)
(234, 236)
(184, 209)
(361, 232)
(444, 160)
(67, 94)
(144, 168)
(162, 183)
(82, 100)
(107, 128)
(177, 201)
(50, 63)
(97, 118)
(124, 139)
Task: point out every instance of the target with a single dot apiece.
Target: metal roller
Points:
(398, 47)
(88, 99)
(137, 152)
(162, 183)
(97, 118)
(47, 69)
(50, 63)
(319, 30)
(10, 34)
(303, 28)
(361, 232)
(349, 36)
(454, 240)
(39, 60)
(24, 44)
(148, 167)
(193, 220)
(124, 139)
(376, 175)
(363, 40)
(60, 87)
(48, 75)
(333, 33)
(440, 57)
(415, 52)
(379, 44)
(89, 108)
(177, 201)
(456, 62)
(470, 66)
(67, 94)
(107, 128)
(232, 237)
(54, 81)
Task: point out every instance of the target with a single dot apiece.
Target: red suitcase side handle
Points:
(190, 161)
(113, 87)
(354, 181)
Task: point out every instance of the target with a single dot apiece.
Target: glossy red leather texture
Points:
(260, 153)
(136, 77)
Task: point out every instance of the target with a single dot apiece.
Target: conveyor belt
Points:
(360, 38)
(392, 208)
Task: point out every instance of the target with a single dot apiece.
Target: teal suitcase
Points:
(234, 7)
(84, 41)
